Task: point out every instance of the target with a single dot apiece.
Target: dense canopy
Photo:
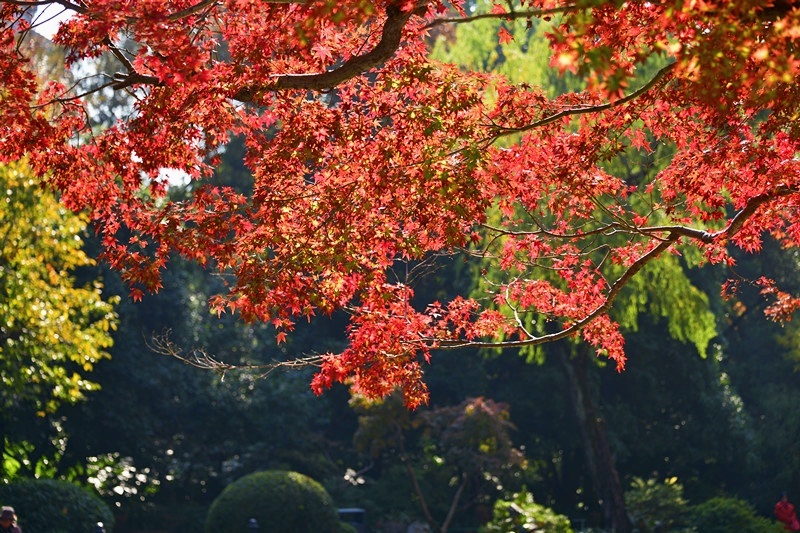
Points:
(369, 159)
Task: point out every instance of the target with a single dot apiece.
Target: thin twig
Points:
(505, 16)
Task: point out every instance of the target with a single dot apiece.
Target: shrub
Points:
(523, 514)
(723, 515)
(656, 506)
(279, 500)
(53, 506)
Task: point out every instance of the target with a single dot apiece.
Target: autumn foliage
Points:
(366, 155)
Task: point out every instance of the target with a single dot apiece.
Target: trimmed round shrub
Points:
(53, 506)
(722, 515)
(279, 500)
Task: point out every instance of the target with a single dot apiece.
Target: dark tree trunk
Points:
(594, 440)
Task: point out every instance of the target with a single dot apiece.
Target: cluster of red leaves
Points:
(365, 154)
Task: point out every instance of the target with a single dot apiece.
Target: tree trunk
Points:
(418, 490)
(453, 506)
(594, 440)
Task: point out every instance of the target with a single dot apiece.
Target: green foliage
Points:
(663, 290)
(654, 505)
(521, 513)
(279, 500)
(54, 506)
(52, 332)
(53, 329)
(723, 515)
(475, 47)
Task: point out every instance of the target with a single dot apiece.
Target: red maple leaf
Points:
(504, 36)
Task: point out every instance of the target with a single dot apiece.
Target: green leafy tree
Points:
(524, 59)
(53, 331)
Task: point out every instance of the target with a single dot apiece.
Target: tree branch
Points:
(454, 505)
(733, 226)
(162, 345)
(191, 10)
(391, 38)
(505, 16)
(83, 9)
(388, 45)
(501, 131)
(606, 229)
(417, 489)
(674, 234)
(64, 3)
(613, 292)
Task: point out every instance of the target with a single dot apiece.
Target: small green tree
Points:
(521, 514)
(653, 505)
(278, 500)
(54, 506)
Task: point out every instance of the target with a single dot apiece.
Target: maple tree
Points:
(366, 154)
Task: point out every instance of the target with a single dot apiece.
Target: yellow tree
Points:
(52, 331)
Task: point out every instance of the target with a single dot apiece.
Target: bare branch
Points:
(605, 229)
(200, 359)
(65, 99)
(417, 489)
(454, 504)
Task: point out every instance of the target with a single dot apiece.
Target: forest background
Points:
(707, 397)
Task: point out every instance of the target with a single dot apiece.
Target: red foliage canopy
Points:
(365, 153)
